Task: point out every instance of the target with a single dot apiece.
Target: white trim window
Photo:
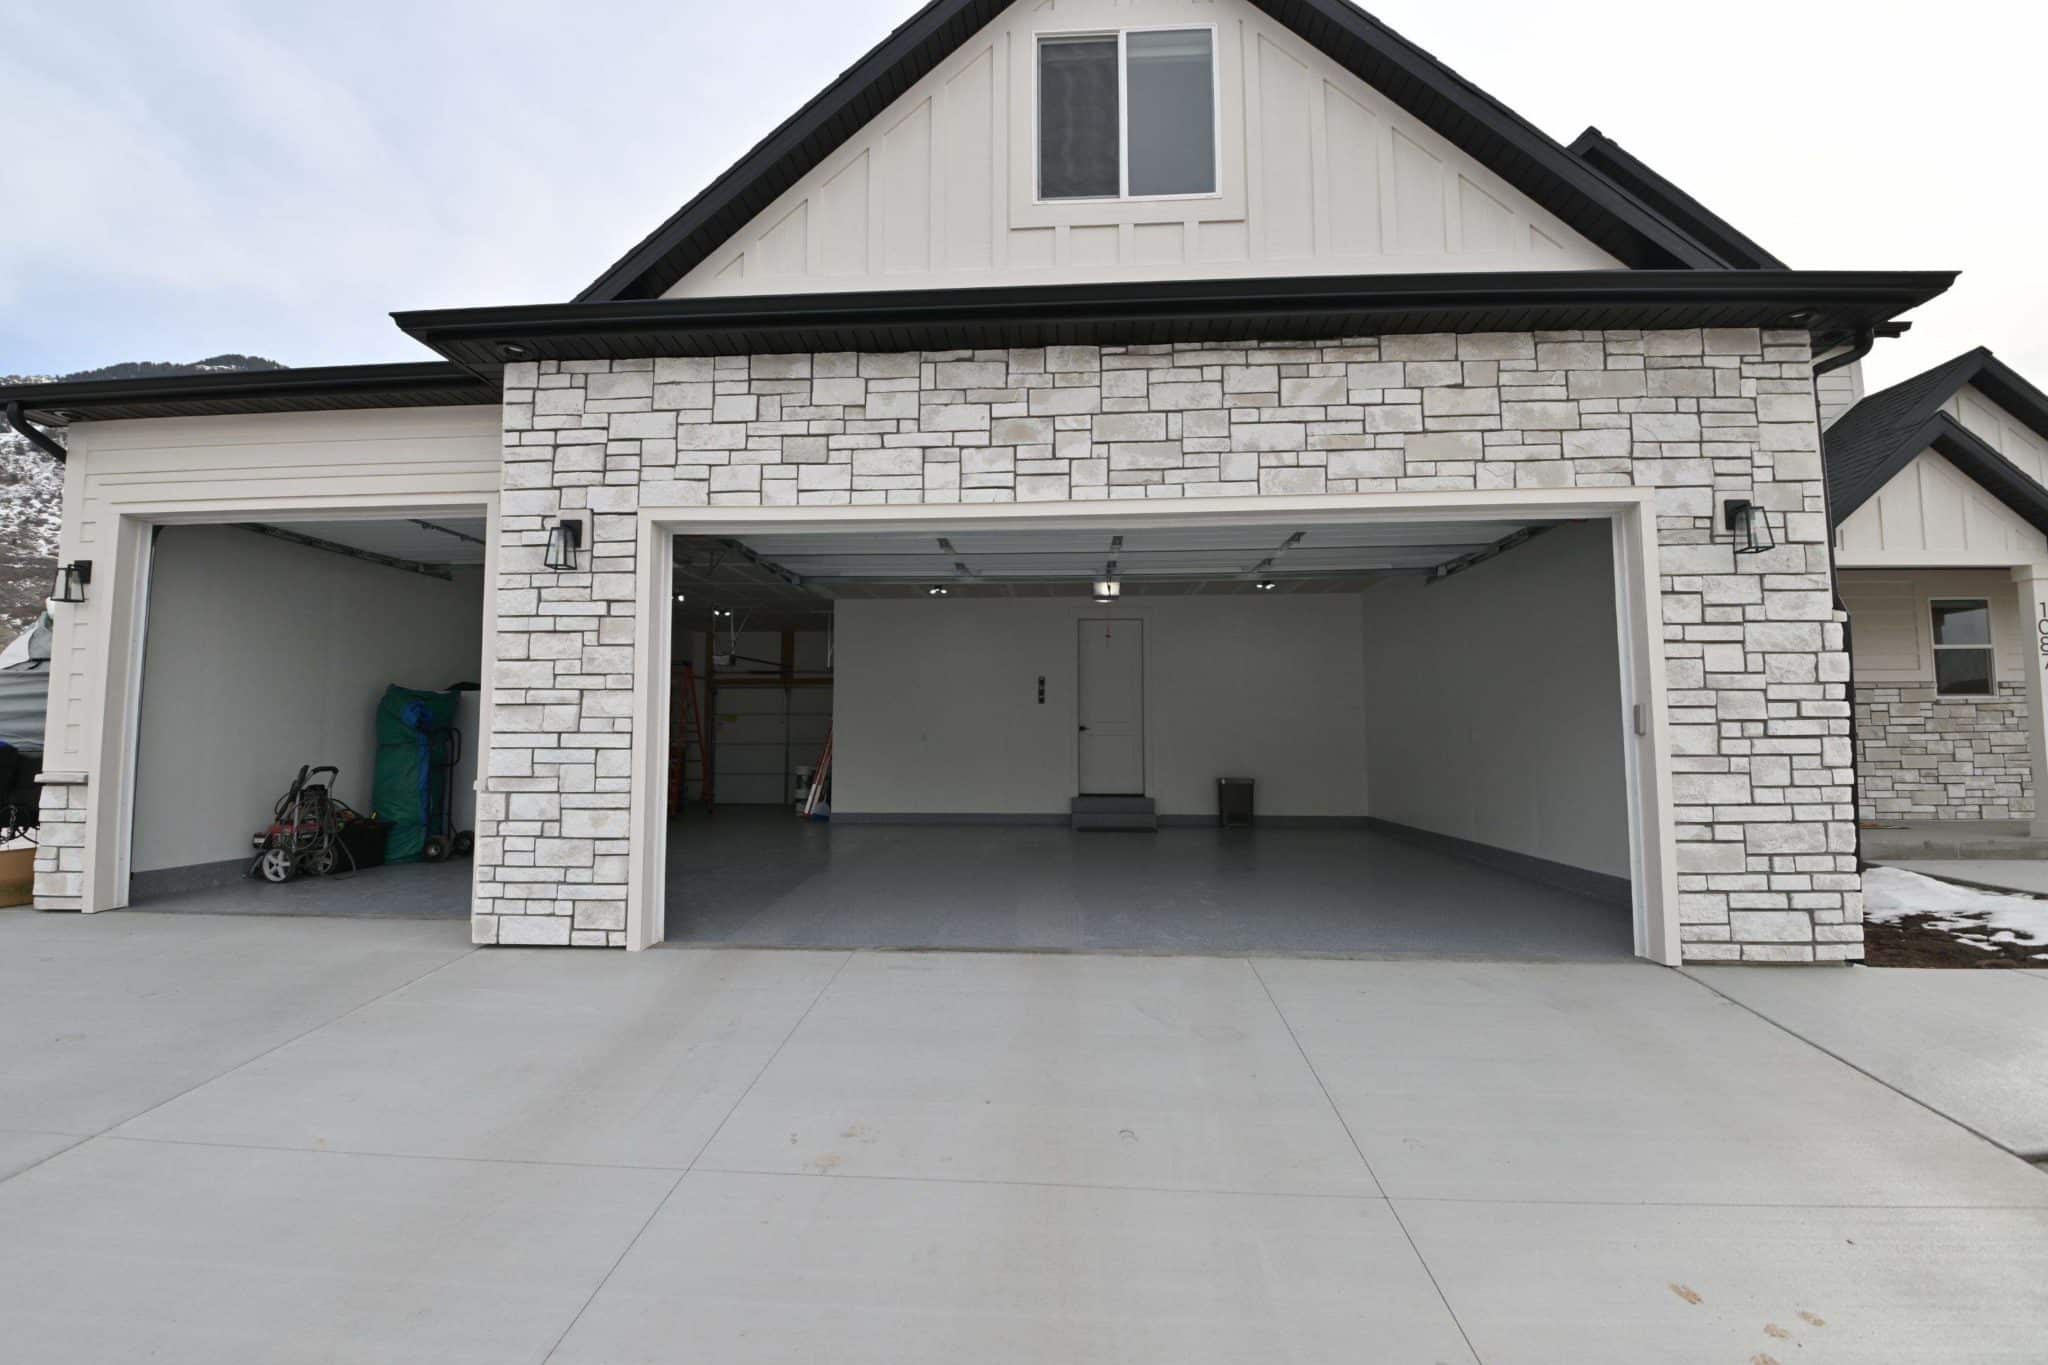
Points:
(1127, 115)
(1965, 665)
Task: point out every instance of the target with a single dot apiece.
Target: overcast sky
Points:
(276, 178)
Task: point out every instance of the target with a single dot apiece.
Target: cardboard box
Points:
(18, 877)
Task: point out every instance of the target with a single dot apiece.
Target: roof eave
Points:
(1964, 449)
(1296, 308)
(322, 389)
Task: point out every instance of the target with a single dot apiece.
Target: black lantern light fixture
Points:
(565, 538)
(71, 581)
(1748, 525)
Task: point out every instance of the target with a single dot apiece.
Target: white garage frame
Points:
(1631, 513)
(122, 586)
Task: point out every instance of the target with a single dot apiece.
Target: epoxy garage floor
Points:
(249, 1139)
(757, 877)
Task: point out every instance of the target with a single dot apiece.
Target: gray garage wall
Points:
(1493, 703)
(262, 656)
(936, 704)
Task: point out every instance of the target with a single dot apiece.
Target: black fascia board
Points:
(1962, 448)
(1825, 303)
(327, 388)
(1663, 197)
(1478, 124)
(2006, 387)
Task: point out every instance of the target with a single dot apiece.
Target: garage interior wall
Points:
(261, 656)
(1493, 703)
(936, 705)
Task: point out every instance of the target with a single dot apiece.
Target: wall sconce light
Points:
(71, 581)
(564, 540)
(1748, 525)
(1267, 585)
(1108, 590)
(937, 590)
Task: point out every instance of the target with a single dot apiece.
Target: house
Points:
(1941, 542)
(1091, 402)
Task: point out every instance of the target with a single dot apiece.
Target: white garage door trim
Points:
(125, 575)
(1632, 512)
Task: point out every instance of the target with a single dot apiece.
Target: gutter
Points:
(36, 436)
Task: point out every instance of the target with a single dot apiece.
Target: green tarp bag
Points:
(411, 785)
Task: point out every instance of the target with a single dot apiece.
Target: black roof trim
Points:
(1669, 202)
(1885, 432)
(1564, 184)
(426, 384)
(1830, 304)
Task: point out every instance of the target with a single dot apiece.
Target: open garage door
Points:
(1313, 736)
(351, 648)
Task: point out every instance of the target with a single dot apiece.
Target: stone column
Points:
(2032, 584)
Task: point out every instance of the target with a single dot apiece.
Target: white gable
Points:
(1932, 514)
(1321, 174)
(2001, 431)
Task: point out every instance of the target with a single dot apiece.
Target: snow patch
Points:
(1890, 894)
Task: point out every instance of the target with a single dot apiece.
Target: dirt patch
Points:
(1911, 941)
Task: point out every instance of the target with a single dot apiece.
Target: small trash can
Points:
(1234, 802)
(365, 842)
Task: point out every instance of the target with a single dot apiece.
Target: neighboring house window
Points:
(1962, 647)
(1127, 115)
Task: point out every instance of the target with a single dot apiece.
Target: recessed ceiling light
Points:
(512, 350)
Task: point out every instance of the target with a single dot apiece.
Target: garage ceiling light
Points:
(1108, 590)
(1267, 585)
(937, 590)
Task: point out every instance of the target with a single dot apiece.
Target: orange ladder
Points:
(686, 726)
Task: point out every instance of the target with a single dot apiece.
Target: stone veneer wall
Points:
(1759, 712)
(1924, 757)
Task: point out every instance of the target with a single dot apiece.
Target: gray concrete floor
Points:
(2028, 876)
(400, 891)
(757, 877)
(1976, 1050)
(2003, 839)
(235, 1138)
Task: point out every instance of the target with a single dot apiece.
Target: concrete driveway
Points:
(244, 1139)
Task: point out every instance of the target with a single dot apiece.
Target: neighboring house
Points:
(1941, 543)
(1254, 311)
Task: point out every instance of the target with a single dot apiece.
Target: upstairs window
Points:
(1962, 647)
(1127, 115)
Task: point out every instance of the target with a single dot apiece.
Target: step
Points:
(1115, 813)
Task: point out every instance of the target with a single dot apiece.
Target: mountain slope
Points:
(32, 490)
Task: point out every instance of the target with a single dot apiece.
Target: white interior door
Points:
(1112, 708)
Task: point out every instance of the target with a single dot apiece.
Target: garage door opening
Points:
(270, 647)
(1353, 738)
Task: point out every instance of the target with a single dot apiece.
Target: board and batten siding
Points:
(1319, 174)
(1932, 514)
(121, 478)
